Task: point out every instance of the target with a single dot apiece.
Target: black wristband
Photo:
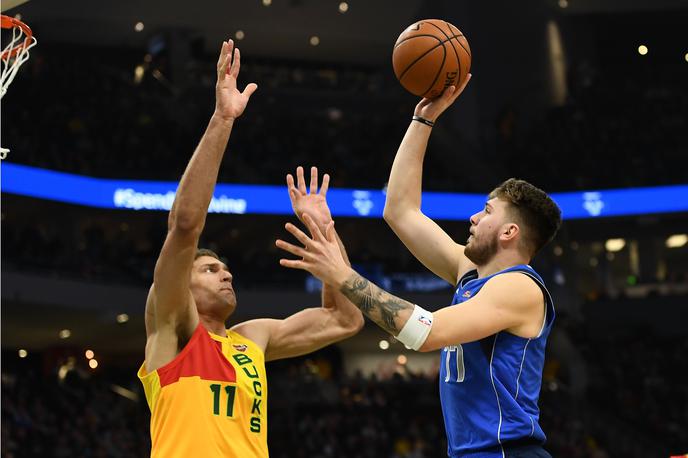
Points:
(427, 122)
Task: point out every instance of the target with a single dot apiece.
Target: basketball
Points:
(430, 56)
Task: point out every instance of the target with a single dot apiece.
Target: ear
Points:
(510, 231)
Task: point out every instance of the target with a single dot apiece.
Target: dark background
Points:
(596, 116)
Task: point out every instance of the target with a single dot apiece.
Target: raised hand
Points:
(314, 202)
(229, 101)
(431, 109)
(320, 254)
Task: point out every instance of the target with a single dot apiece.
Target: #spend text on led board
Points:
(261, 199)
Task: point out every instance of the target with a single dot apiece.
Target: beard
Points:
(480, 253)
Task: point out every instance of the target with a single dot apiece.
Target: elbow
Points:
(185, 231)
(359, 323)
(393, 207)
(387, 213)
(393, 214)
(390, 214)
(186, 223)
(354, 326)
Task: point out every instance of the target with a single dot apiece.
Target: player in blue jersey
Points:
(493, 335)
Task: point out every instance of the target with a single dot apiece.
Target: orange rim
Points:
(8, 22)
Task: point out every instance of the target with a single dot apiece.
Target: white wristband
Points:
(417, 328)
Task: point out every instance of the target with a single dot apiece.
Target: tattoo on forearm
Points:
(377, 304)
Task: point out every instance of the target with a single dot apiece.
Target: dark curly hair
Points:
(533, 209)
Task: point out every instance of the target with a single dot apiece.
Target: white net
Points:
(11, 61)
(14, 54)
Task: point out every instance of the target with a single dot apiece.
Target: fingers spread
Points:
(250, 89)
(314, 180)
(222, 55)
(228, 62)
(223, 62)
(312, 227)
(236, 64)
(300, 181)
(291, 189)
(292, 264)
(325, 185)
(293, 249)
(299, 234)
(293, 195)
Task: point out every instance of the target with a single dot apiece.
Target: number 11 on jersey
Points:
(216, 388)
(454, 364)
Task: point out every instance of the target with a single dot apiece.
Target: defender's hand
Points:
(229, 101)
(431, 109)
(313, 203)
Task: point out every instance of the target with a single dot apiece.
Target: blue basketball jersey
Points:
(489, 389)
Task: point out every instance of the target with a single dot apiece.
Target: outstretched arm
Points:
(428, 242)
(507, 302)
(315, 204)
(312, 328)
(170, 306)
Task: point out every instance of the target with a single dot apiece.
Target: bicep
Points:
(504, 303)
(298, 334)
(302, 333)
(431, 245)
(462, 323)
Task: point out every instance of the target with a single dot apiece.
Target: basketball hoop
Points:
(14, 54)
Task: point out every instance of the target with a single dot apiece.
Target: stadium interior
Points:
(560, 96)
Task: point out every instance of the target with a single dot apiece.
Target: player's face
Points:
(211, 285)
(483, 243)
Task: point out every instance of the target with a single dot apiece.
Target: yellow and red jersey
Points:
(210, 400)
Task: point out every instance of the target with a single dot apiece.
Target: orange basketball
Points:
(430, 56)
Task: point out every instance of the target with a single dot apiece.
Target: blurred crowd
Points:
(638, 383)
(633, 407)
(121, 248)
(621, 126)
(105, 122)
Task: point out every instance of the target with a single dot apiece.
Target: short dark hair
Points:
(206, 252)
(534, 209)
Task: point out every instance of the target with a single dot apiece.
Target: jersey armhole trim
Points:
(546, 296)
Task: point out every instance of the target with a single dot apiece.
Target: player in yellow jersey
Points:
(205, 384)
